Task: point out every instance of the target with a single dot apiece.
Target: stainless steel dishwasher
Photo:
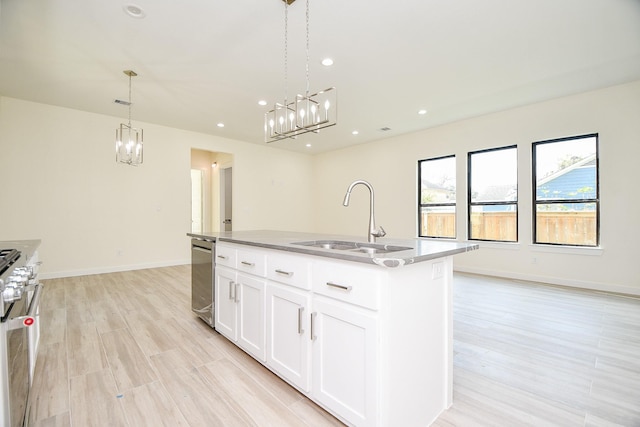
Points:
(202, 279)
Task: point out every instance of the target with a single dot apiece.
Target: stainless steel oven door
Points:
(14, 361)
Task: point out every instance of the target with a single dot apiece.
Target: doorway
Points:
(211, 191)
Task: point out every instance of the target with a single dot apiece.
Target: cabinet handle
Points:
(300, 310)
(250, 264)
(222, 257)
(343, 287)
(285, 273)
(236, 294)
(231, 287)
(313, 316)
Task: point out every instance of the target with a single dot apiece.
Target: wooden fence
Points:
(441, 224)
(502, 226)
(572, 228)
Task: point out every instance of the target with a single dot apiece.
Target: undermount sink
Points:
(367, 248)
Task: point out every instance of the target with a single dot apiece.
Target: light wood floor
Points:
(124, 349)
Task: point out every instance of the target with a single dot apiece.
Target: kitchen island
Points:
(363, 329)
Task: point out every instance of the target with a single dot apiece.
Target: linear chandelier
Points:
(129, 139)
(306, 113)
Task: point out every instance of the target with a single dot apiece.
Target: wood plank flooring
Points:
(527, 354)
(124, 349)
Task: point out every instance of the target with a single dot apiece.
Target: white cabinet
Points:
(251, 304)
(226, 318)
(240, 305)
(288, 343)
(354, 284)
(345, 360)
(288, 317)
(346, 299)
(293, 270)
(372, 345)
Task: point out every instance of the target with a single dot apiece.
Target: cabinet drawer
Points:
(294, 270)
(349, 283)
(252, 262)
(226, 255)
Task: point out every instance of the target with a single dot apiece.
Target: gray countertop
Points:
(421, 249)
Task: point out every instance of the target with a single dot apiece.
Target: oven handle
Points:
(28, 319)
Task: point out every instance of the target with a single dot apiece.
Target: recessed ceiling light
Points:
(262, 102)
(308, 145)
(220, 125)
(422, 112)
(134, 11)
(355, 132)
(327, 62)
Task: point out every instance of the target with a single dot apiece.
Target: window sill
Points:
(592, 251)
(515, 246)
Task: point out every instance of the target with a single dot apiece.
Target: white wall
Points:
(61, 184)
(391, 166)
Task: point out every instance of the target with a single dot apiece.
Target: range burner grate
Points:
(8, 257)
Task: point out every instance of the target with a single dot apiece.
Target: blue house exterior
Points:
(576, 182)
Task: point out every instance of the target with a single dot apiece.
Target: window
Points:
(437, 197)
(566, 191)
(493, 194)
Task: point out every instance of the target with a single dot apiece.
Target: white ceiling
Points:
(200, 62)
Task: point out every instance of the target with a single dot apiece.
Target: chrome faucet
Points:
(373, 232)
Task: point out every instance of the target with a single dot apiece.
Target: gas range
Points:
(19, 328)
(15, 279)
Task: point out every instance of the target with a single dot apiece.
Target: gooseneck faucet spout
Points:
(373, 232)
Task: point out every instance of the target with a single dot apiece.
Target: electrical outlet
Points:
(438, 270)
(119, 252)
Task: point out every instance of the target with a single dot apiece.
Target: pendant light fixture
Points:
(129, 139)
(306, 113)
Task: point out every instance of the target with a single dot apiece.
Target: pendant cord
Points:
(129, 100)
(307, 93)
(286, 65)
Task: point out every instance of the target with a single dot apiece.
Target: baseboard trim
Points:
(594, 286)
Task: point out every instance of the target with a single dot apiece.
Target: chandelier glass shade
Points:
(306, 113)
(129, 140)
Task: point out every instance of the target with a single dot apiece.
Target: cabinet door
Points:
(288, 341)
(344, 360)
(225, 303)
(251, 313)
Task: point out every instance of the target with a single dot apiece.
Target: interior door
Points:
(226, 191)
(197, 199)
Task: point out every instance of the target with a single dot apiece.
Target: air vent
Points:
(121, 102)
(385, 129)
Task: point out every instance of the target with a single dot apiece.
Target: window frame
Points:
(534, 192)
(471, 204)
(425, 205)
